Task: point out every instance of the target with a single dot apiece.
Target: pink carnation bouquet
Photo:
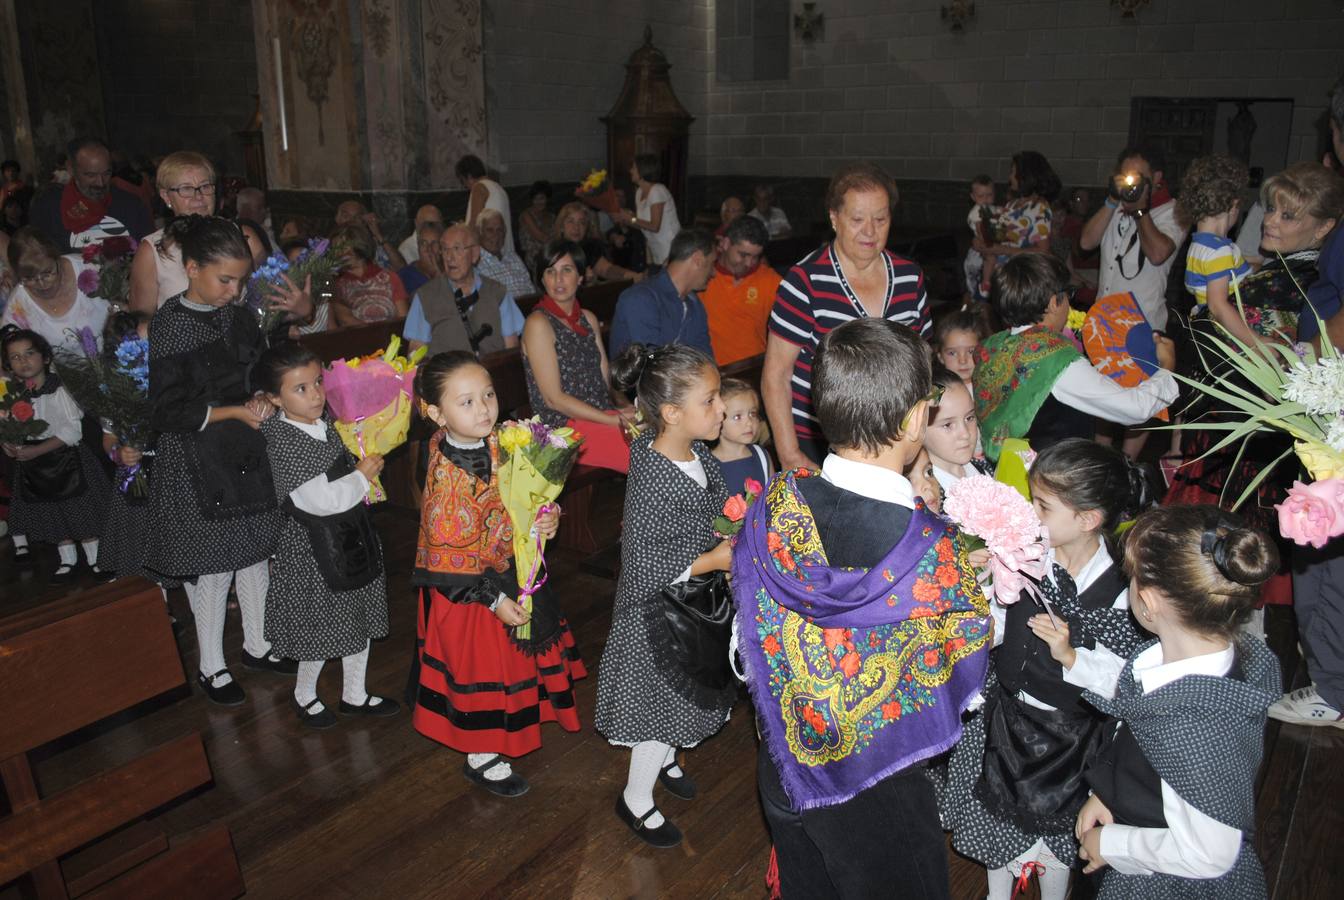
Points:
(1313, 514)
(1005, 520)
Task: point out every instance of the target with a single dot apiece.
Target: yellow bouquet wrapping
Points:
(371, 398)
(534, 461)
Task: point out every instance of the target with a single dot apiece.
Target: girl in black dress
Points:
(327, 595)
(645, 701)
(212, 504)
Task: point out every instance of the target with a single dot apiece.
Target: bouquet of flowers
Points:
(598, 192)
(535, 460)
(1005, 520)
(110, 277)
(729, 522)
(115, 388)
(1281, 386)
(18, 419)
(316, 260)
(371, 398)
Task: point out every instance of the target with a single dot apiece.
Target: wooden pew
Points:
(70, 664)
(358, 340)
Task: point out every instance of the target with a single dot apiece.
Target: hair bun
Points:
(1140, 489)
(1243, 555)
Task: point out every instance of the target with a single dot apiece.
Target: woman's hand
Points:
(128, 456)
(1056, 636)
(370, 466)
(242, 414)
(511, 613)
(624, 217)
(548, 522)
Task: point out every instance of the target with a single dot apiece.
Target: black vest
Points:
(1126, 783)
(836, 511)
(1055, 421)
(1024, 662)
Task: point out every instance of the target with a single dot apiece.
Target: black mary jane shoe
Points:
(383, 709)
(677, 785)
(513, 786)
(64, 574)
(24, 557)
(230, 694)
(270, 663)
(320, 719)
(664, 836)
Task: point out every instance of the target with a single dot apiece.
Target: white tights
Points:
(209, 598)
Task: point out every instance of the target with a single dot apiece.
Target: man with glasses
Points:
(460, 310)
(89, 208)
(1137, 231)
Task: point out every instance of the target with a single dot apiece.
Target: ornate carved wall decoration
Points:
(312, 42)
(454, 84)
(378, 26)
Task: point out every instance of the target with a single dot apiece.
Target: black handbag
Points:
(699, 616)
(53, 477)
(230, 471)
(345, 545)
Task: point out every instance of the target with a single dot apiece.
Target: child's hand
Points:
(1056, 636)
(11, 450)
(1166, 352)
(128, 456)
(978, 558)
(1090, 851)
(511, 613)
(1093, 813)
(370, 466)
(722, 556)
(548, 522)
(23, 452)
(262, 408)
(242, 414)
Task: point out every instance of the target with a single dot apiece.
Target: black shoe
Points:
(100, 576)
(23, 556)
(388, 707)
(230, 694)
(513, 786)
(325, 718)
(664, 836)
(64, 574)
(678, 785)
(270, 663)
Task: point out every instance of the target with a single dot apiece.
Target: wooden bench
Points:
(358, 340)
(67, 665)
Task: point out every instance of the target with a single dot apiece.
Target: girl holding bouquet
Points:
(645, 701)
(482, 690)
(327, 597)
(1015, 780)
(212, 505)
(60, 490)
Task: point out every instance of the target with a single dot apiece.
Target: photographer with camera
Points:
(1138, 233)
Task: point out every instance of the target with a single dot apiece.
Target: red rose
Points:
(22, 411)
(116, 247)
(90, 252)
(735, 508)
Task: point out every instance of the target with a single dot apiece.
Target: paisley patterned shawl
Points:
(464, 529)
(1013, 377)
(855, 673)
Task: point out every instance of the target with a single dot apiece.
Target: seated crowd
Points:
(862, 621)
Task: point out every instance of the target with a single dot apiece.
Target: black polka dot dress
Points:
(641, 693)
(305, 618)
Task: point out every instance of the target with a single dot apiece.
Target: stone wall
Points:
(177, 75)
(891, 82)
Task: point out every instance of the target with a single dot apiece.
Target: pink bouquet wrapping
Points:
(371, 399)
(1012, 532)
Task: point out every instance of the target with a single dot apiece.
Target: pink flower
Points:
(753, 487)
(1001, 517)
(735, 508)
(87, 282)
(1313, 513)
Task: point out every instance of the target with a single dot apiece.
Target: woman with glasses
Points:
(47, 298)
(186, 182)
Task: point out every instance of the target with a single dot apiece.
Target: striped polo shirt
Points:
(815, 297)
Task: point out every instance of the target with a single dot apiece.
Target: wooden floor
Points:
(372, 809)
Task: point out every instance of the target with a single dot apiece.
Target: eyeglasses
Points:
(456, 250)
(186, 191)
(46, 276)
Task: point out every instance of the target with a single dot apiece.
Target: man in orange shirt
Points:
(741, 293)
